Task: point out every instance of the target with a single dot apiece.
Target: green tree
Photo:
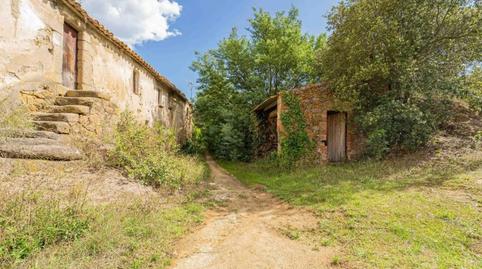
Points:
(399, 62)
(473, 92)
(244, 70)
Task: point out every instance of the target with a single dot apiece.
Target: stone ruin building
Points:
(328, 125)
(75, 76)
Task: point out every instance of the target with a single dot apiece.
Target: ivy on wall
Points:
(295, 142)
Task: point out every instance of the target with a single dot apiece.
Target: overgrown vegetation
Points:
(40, 231)
(196, 145)
(295, 143)
(243, 71)
(60, 227)
(400, 63)
(152, 155)
(29, 223)
(397, 64)
(398, 213)
(473, 89)
(131, 234)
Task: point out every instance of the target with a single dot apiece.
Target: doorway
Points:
(70, 55)
(336, 136)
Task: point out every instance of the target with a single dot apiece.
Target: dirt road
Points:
(247, 232)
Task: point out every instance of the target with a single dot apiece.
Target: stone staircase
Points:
(66, 111)
(33, 144)
(53, 125)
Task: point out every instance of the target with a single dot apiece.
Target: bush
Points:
(473, 89)
(29, 223)
(396, 126)
(151, 155)
(197, 143)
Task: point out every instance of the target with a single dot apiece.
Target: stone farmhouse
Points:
(75, 76)
(328, 124)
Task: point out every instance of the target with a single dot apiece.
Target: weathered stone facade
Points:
(317, 103)
(32, 56)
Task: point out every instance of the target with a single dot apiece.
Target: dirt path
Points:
(247, 232)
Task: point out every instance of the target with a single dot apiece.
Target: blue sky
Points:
(201, 24)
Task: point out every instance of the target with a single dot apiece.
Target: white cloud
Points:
(135, 21)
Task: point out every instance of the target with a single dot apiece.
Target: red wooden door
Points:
(69, 63)
(336, 136)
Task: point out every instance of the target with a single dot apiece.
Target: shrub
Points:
(398, 72)
(473, 89)
(151, 155)
(196, 144)
(29, 223)
(395, 125)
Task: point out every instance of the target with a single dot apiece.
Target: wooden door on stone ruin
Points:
(336, 136)
(69, 61)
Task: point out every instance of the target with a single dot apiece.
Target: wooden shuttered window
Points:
(136, 87)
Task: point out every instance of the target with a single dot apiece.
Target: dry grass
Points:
(14, 118)
(65, 215)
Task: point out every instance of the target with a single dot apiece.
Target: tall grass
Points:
(29, 223)
(131, 233)
(152, 155)
(40, 230)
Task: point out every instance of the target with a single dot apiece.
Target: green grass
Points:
(387, 214)
(128, 234)
(30, 223)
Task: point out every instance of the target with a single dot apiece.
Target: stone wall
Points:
(31, 49)
(316, 101)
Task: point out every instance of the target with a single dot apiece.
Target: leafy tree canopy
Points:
(398, 62)
(244, 70)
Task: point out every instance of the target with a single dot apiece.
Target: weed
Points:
(151, 155)
(15, 119)
(291, 233)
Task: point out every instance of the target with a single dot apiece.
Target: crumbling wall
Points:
(30, 42)
(316, 101)
(31, 49)
(112, 72)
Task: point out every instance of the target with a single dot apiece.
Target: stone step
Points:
(65, 117)
(77, 101)
(38, 148)
(81, 110)
(94, 94)
(16, 133)
(53, 126)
